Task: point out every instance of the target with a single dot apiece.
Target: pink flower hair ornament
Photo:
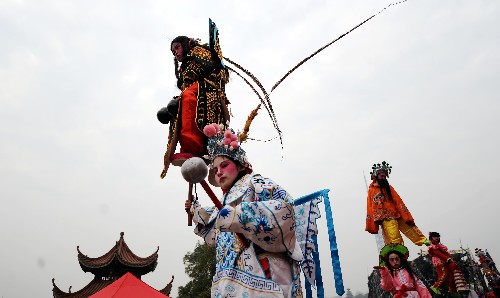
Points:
(211, 130)
(223, 141)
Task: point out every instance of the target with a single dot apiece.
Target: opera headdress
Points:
(380, 167)
(223, 141)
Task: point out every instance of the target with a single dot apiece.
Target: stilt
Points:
(190, 198)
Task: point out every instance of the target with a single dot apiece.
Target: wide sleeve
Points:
(371, 226)
(268, 221)
(203, 218)
(386, 280)
(198, 64)
(401, 207)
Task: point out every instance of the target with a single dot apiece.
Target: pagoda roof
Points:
(93, 287)
(118, 258)
(166, 290)
(110, 267)
(96, 285)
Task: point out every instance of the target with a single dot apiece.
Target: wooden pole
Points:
(190, 198)
(211, 194)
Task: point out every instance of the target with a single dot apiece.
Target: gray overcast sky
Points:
(81, 149)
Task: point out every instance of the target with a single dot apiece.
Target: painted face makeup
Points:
(226, 171)
(394, 260)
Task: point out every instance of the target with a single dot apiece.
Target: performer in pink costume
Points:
(397, 276)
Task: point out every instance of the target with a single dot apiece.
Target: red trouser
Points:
(191, 138)
(445, 275)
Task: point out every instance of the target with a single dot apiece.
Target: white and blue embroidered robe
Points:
(263, 213)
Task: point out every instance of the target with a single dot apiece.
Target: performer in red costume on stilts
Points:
(448, 271)
(201, 77)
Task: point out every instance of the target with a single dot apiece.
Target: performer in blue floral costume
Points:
(257, 253)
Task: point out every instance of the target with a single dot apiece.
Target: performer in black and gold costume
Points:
(201, 76)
